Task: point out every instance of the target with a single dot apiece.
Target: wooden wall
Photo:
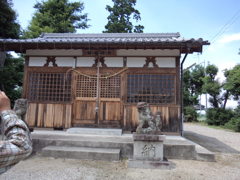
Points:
(49, 115)
(110, 113)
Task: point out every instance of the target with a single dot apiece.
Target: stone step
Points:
(204, 154)
(95, 131)
(81, 153)
(201, 153)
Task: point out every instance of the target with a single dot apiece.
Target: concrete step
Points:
(204, 154)
(175, 147)
(201, 153)
(81, 153)
(95, 131)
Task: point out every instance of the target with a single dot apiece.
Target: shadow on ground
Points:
(210, 143)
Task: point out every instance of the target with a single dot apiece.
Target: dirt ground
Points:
(226, 167)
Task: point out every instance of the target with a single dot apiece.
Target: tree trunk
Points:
(226, 95)
(215, 102)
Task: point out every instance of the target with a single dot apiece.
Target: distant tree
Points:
(233, 81)
(193, 85)
(56, 16)
(11, 74)
(9, 28)
(188, 99)
(121, 13)
(218, 95)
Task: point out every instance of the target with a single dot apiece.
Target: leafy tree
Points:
(233, 81)
(219, 116)
(56, 16)
(193, 83)
(190, 114)
(9, 28)
(121, 13)
(11, 74)
(212, 86)
(11, 77)
(218, 94)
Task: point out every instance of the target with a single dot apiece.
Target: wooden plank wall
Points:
(49, 115)
(84, 112)
(170, 116)
(110, 111)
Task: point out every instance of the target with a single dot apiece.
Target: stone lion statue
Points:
(154, 122)
(20, 107)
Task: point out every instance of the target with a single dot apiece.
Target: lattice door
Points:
(108, 88)
(108, 101)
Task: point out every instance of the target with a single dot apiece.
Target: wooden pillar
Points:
(25, 77)
(178, 79)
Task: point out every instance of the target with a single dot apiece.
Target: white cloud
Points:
(230, 38)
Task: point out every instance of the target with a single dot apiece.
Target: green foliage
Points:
(233, 81)
(197, 76)
(11, 77)
(218, 97)
(56, 16)
(233, 124)
(9, 28)
(121, 13)
(11, 74)
(190, 114)
(219, 116)
(192, 85)
(237, 111)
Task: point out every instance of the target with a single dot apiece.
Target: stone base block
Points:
(150, 164)
(148, 147)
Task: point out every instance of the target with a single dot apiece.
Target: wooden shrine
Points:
(96, 80)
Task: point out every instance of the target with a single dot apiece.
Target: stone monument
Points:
(20, 107)
(148, 140)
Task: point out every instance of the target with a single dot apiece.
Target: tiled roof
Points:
(115, 40)
(105, 38)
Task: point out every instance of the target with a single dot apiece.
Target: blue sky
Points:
(192, 18)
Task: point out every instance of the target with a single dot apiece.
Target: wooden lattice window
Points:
(49, 87)
(85, 86)
(108, 87)
(151, 88)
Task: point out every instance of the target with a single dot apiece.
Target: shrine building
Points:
(96, 80)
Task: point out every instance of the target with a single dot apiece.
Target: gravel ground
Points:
(227, 166)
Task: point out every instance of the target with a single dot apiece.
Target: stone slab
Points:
(146, 150)
(204, 154)
(95, 131)
(148, 137)
(81, 153)
(150, 164)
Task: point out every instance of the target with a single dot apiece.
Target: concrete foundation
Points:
(174, 147)
(82, 153)
(95, 131)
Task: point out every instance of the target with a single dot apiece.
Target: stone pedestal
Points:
(148, 152)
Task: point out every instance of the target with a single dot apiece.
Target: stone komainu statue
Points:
(154, 122)
(20, 107)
